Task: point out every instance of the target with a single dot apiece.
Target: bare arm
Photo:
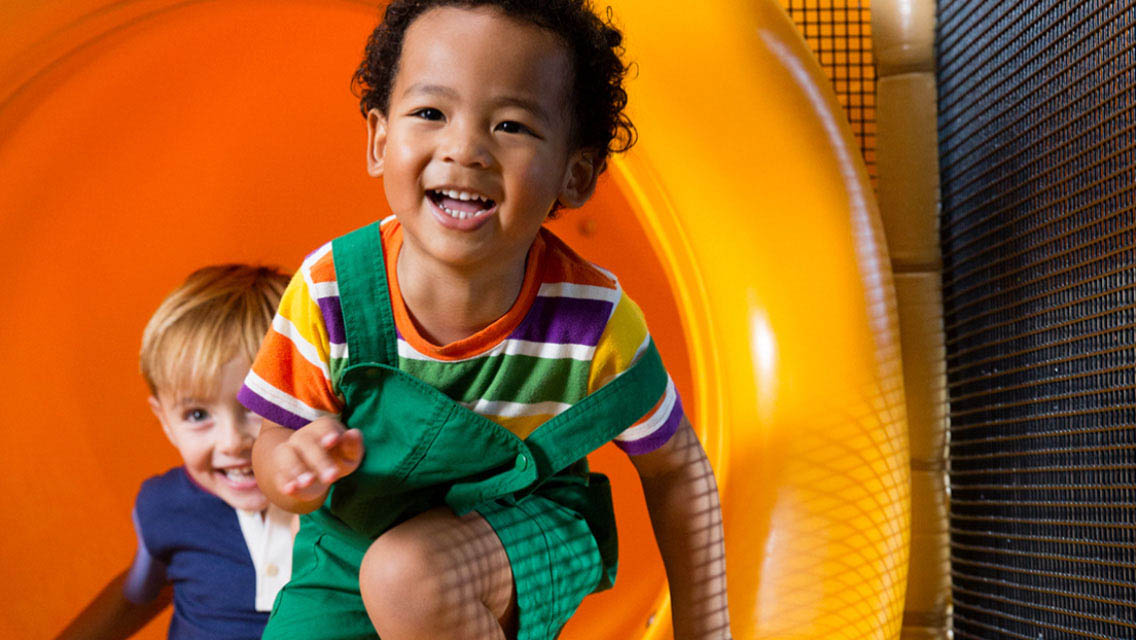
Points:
(111, 615)
(296, 467)
(682, 499)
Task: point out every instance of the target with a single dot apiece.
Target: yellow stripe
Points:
(298, 307)
(615, 351)
(521, 426)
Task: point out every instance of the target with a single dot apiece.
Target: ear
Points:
(579, 178)
(376, 142)
(160, 414)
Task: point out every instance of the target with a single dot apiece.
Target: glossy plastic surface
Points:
(141, 139)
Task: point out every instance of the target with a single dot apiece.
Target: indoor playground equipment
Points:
(140, 139)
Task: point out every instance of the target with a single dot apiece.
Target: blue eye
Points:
(195, 415)
(512, 126)
(428, 113)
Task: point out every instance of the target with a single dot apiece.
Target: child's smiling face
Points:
(214, 437)
(475, 147)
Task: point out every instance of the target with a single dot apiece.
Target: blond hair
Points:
(219, 313)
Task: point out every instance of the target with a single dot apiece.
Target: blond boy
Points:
(207, 537)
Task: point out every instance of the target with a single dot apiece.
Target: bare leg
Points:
(438, 576)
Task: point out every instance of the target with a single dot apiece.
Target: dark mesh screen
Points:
(1038, 172)
(840, 34)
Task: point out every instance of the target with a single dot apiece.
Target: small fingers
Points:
(317, 460)
(292, 474)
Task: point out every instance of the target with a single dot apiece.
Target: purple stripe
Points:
(333, 319)
(656, 438)
(265, 409)
(564, 321)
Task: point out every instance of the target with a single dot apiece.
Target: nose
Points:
(465, 143)
(235, 434)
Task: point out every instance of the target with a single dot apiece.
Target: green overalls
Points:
(553, 517)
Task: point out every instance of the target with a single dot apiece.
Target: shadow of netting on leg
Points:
(701, 565)
(438, 576)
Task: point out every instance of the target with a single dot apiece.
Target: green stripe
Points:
(512, 378)
(335, 369)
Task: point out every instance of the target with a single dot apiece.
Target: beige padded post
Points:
(903, 33)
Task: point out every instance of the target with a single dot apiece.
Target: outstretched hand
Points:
(315, 456)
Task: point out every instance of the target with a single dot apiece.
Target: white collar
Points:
(269, 541)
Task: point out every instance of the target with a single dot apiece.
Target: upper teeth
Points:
(454, 194)
(460, 195)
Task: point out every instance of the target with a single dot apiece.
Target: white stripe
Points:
(505, 409)
(315, 256)
(548, 350)
(324, 289)
(583, 291)
(306, 267)
(610, 275)
(337, 350)
(642, 347)
(262, 388)
(656, 421)
(284, 327)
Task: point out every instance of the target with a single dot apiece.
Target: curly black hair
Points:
(595, 45)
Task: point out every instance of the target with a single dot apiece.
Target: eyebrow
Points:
(430, 89)
(527, 105)
(185, 402)
(510, 101)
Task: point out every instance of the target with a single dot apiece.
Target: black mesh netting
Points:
(840, 34)
(1036, 141)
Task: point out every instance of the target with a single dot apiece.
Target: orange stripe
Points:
(650, 413)
(323, 270)
(562, 264)
(282, 366)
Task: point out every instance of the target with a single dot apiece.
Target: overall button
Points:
(522, 462)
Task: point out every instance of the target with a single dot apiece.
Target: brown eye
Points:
(512, 126)
(428, 113)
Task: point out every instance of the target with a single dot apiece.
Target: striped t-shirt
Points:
(571, 330)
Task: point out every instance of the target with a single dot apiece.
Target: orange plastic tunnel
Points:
(141, 139)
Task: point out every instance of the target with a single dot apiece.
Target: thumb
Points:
(349, 449)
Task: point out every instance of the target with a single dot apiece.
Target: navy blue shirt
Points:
(197, 537)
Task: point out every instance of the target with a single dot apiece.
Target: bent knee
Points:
(403, 575)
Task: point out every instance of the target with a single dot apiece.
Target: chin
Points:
(245, 501)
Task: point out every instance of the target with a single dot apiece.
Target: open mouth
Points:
(238, 477)
(460, 204)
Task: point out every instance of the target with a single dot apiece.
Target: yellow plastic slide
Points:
(140, 139)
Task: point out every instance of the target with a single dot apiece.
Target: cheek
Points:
(401, 173)
(543, 173)
(197, 452)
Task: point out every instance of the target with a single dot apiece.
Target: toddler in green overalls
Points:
(432, 384)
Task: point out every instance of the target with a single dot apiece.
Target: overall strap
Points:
(364, 297)
(600, 416)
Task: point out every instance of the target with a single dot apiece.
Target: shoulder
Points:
(595, 290)
(318, 266)
(171, 507)
(160, 489)
(173, 493)
(574, 299)
(161, 501)
(561, 264)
